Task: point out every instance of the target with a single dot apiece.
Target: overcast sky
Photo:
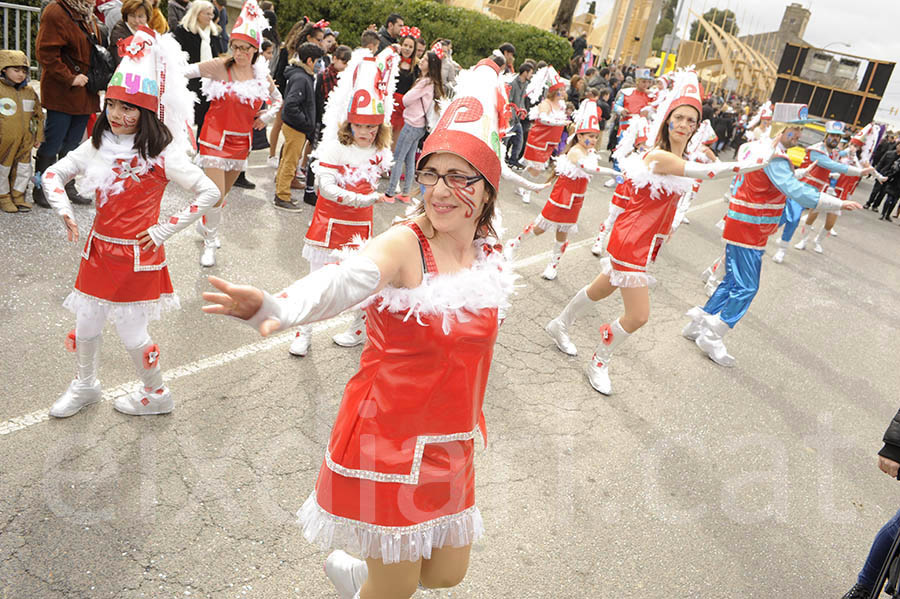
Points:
(871, 27)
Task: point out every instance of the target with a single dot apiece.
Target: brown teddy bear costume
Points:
(21, 125)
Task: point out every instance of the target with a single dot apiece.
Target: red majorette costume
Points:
(397, 480)
(227, 132)
(560, 213)
(347, 176)
(640, 230)
(547, 127)
(759, 126)
(117, 278)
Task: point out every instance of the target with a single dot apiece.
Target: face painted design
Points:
(465, 195)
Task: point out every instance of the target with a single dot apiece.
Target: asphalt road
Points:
(690, 481)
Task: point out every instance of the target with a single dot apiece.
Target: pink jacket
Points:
(417, 101)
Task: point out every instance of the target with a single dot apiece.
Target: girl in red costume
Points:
(131, 157)
(574, 170)
(549, 118)
(397, 484)
(655, 183)
(353, 155)
(236, 86)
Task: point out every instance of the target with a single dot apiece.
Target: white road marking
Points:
(22, 422)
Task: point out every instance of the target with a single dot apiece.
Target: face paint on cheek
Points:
(465, 195)
(130, 121)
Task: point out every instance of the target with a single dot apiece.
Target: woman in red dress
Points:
(236, 86)
(127, 164)
(654, 184)
(397, 484)
(549, 119)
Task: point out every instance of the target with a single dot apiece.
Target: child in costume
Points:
(574, 170)
(236, 86)
(138, 145)
(655, 184)
(21, 130)
(406, 429)
(354, 153)
(547, 89)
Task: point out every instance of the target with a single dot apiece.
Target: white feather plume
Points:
(176, 100)
(338, 104)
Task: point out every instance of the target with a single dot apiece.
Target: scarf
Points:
(82, 8)
(205, 48)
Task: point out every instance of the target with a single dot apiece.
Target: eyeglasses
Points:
(243, 49)
(452, 180)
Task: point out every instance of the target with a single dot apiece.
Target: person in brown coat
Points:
(64, 53)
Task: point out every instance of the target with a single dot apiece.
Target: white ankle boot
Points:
(552, 269)
(558, 328)
(817, 242)
(346, 573)
(597, 248)
(778, 257)
(598, 374)
(208, 227)
(711, 340)
(526, 195)
(695, 327)
(84, 388)
(355, 333)
(152, 397)
(208, 257)
(300, 344)
(807, 231)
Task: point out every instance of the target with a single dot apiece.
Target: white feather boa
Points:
(640, 176)
(364, 164)
(566, 168)
(247, 91)
(98, 175)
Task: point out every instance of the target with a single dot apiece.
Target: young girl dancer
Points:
(655, 183)
(127, 163)
(407, 425)
(236, 87)
(355, 151)
(574, 170)
(549, 118)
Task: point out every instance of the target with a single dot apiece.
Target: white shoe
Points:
(550, 272)
(346, 573)
(685, 220)
(300, 345)
(610, 183)
(711, 341)
(76, 397)
(599, 378)
(144, 402)
(272, 161)
(208, 257)
(833, 232)
(778, 257)
(526, 195)
(557, 330)
(695, 327)
(203, 233)
(597, 248)
(817, 248)
(351, 338)
(801, 245)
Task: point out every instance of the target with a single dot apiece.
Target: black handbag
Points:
(102, 65)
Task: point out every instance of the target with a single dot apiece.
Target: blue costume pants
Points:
(734, 294)
(790, 218)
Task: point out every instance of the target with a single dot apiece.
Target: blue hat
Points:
(834, 128)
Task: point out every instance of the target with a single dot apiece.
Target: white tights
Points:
(132, 328)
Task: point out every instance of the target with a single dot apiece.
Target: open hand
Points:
(240, 301)
(71, 228)
(258, 124)
(851, 206)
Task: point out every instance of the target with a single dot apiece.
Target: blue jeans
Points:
(732, 297)
(516, 141)
(405, 156)
(62, 133)
(879, 552)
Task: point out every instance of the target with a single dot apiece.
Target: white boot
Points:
(833, 232)
(558, 250)
(152, 397)
(695, 327)
(509, 251)
(84, 388)
(300, 344)
(355, 333)
(208, 257)
(526, 195)
(778, 257)
(598, 375)
(346, 573)
(711, 340)
(597, 248)
(610, 183)
(208, 226)
(806, 231)
(817, 247)
(558, 328)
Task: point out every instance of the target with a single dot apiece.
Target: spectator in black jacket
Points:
(298, 116)
(390, 33)
(889, 463)
(886, 144)
(891, 189)
(882, 165)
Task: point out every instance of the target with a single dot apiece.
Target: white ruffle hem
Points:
(548, 225)
(77, 302)
(619, 278)
(225, 164)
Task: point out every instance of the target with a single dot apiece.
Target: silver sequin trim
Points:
(407, 479)
(138, 267)
(397, 530)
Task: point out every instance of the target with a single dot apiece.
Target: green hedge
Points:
(474, 35)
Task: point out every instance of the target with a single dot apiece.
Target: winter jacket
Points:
(176, 12)
(892, 185)
(517, 97)
(63, 51)
(384, 39)
(299, 109)
(883, 147)
(190, 43)
(891, 449)
(887, 159)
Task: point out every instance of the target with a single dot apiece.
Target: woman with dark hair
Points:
(409, 73)
(655, 182)
(432, 288)
(127, 164)
(201, 38)
(236, 86)
(418, 102)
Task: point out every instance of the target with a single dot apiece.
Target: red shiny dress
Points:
(227, 132)
(561, 211)
(398, 477)
(644, 226)
(543, 138)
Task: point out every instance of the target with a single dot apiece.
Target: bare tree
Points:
(564, 15)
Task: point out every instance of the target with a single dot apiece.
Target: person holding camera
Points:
(889, 463)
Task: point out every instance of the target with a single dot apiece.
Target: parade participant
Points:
(138, 145)
(21, 130)
(236, 86)
(432, 288)
(355, 151)
(632, 141)
(822, 159)
(574, 170)
(656, 181)
(547, 91)
(759, 126)
(753, 214)
(699, 150)
(628, 104)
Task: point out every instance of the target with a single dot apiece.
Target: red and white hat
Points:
(250, 24)
(585, 118)
(371, 100)
(470, 125)
(686, 91)
(543, 82)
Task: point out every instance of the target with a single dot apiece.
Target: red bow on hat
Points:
(133, 48)
(438, 49)
(321, 24)
(410, 31)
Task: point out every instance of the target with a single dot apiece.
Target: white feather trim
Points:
(364, 164)
(98, 174)
(566, 168)
(225, 164)
(338, 104)
(618, 278)
(177, 101)
(125, 312)
(247, 91)
(548, 225)
(640, 176)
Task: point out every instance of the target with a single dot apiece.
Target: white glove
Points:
(829, 203)
(697, 170)
(275, 102)
(590, 164)
(190, 177)
(802, 172)
(330, 190)
(879, 177)
(320, 295)
(508, 174)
